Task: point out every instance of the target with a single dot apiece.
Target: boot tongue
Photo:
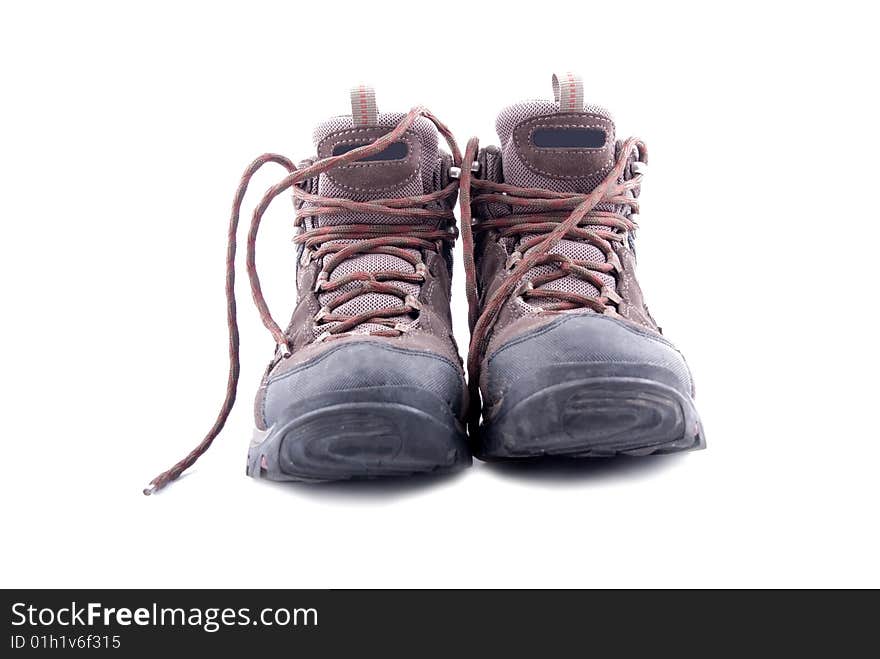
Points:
(559, 145)
(409, 166)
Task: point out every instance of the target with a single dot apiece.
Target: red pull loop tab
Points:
(568, 91)
(364, 111)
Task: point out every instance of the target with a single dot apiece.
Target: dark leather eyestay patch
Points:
(395, 151)
(569, 138)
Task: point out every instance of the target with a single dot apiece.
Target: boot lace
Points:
(332, 245)
(338, 243)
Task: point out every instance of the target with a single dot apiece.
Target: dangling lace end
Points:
(282, 348)
(158, 483)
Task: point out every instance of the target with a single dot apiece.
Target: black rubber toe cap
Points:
(365, 366)
(578, 346)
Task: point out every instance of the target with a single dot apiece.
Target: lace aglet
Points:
(149, 489)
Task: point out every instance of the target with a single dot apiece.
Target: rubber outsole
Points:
(360, 438)
(594, 417)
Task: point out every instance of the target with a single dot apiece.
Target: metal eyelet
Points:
(321, 314)
(320, 281)
(611, 295)
(513, 259)
(525, 287)
(411, 301)
(614, 260)
(455, 172)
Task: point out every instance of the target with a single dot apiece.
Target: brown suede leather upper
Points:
(633, 307)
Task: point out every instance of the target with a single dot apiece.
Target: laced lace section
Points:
(551, 217)
(334, 244)
(318, 243)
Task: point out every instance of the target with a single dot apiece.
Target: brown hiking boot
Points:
(366, 380)
(564, 352)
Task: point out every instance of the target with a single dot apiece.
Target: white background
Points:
(124, 132)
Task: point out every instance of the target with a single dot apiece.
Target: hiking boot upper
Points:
(580, 302)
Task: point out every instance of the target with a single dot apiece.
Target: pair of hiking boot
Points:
(565, 358)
